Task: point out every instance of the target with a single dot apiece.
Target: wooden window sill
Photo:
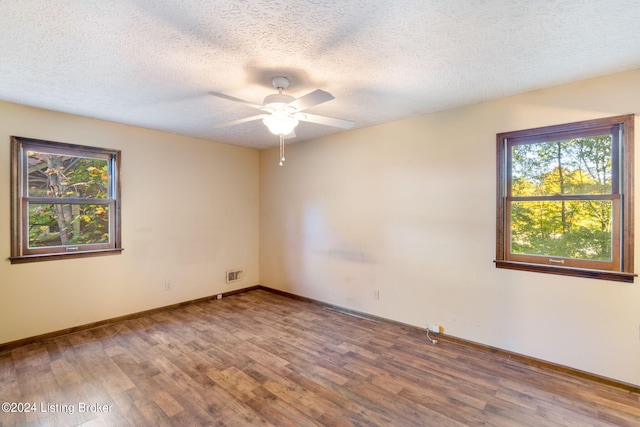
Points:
(50, 257)
(618, 276)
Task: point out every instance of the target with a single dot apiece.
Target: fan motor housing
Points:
(277, 98)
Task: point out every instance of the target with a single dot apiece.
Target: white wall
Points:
(189, 213)
(408, 209)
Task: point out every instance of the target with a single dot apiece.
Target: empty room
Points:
(301, 213)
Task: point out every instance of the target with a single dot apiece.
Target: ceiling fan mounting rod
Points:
(278, 102)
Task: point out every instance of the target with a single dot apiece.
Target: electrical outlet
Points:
(219, 296)
(437, 329)
(376, 294)
(167, 285)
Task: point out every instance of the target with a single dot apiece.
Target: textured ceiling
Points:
(151, 63)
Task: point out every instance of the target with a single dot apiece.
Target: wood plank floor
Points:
(258, 358)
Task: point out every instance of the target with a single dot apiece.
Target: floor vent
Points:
(234, 275)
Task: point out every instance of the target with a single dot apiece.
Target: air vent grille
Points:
(234, 275)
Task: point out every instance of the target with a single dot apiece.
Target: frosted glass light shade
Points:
(280, 124)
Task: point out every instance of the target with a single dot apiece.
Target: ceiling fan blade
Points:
(322, 120)
(234, 99)
(309, 100)
(239, 121)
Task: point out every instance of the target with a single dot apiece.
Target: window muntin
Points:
(565, 198)
(65, 199)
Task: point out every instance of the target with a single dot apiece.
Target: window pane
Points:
(575, 166)
(54, 175)
(571, 229)
(67, 224)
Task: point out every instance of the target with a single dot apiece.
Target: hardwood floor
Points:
(258, 358)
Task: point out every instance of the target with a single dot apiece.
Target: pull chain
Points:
(281, 149)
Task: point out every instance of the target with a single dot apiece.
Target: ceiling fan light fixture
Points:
(280, 124)
(283, 112)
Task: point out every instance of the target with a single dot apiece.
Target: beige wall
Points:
(408, 209)
(189, 213)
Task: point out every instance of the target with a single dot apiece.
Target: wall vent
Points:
(234, 275)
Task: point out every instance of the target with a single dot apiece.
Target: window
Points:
(65, 201)
(565, 199)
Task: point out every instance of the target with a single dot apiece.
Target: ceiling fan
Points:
(282, 113)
